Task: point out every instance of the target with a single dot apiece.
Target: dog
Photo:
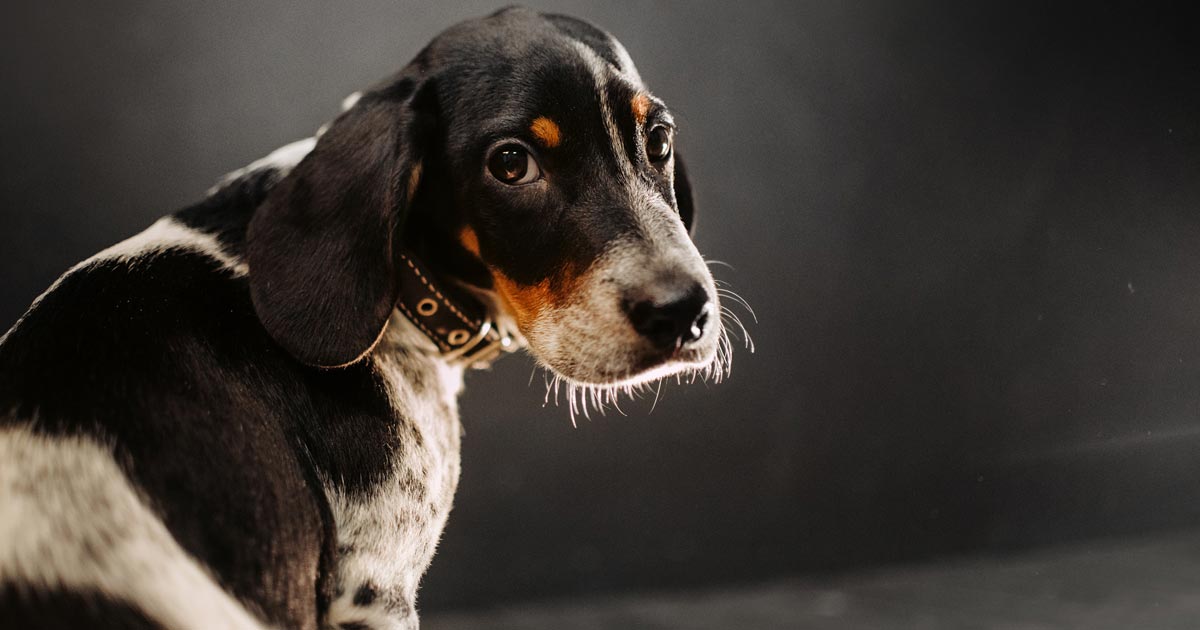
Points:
(245, 416)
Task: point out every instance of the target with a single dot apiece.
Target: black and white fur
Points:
(223, 422)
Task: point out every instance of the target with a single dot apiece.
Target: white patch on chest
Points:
(386, 539)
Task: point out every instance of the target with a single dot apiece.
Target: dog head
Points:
(521, 155)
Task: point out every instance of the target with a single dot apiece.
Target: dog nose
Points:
(673, 321)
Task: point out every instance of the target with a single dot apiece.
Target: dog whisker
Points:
(582, 399)
(719, 262)
(657, 393)
(745, 338)
(737, 299)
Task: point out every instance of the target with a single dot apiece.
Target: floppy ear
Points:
(683, 194)
(322, 247)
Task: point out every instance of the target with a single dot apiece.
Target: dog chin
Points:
(638, 367)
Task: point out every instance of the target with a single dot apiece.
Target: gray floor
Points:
(1120, 585)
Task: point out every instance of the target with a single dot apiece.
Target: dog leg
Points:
(70, 522)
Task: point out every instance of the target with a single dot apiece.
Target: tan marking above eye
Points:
(546, 131)
(641, 108)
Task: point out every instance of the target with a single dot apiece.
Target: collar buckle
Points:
(482, 349)
(462, 329)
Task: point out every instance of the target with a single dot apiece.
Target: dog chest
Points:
(386, 536)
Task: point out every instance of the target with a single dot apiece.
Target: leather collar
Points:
(459, 325)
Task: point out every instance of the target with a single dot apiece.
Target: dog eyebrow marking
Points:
(547, 131)
(641, 107)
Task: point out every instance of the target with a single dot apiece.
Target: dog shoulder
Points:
(127, 316)
(152, 349)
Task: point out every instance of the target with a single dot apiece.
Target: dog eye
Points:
(658, 144)
(513, 165)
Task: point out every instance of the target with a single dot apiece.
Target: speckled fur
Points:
(232, 397)
(386, 540)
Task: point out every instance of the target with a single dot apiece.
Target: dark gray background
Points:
(971, 235)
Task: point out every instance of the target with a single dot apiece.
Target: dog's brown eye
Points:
(513, 165)
(658, 144)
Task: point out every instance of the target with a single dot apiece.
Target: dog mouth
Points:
(625, 324)
(585, 387)
(594, 355)
(610, 346)
(658, 366)
(637, 360)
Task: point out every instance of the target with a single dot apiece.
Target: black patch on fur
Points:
(328, 554)
(226, 213)
(164, 358)
(413, 485)
(354, 625)
(30, 608)
(365, 595)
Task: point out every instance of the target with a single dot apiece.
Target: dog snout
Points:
(672, 316)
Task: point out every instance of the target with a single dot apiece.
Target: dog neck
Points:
(464, 324)
(457, 320)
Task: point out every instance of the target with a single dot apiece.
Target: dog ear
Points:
(683, 194)
(322, 248)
